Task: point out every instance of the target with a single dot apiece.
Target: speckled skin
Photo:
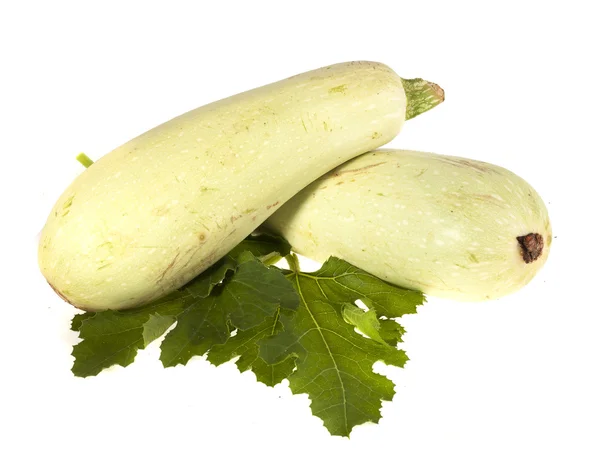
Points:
(155, 212)
(444, 225)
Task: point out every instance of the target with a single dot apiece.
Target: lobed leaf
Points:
(334, 362)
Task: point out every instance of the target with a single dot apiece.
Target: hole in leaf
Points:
(360, 333)
(359, 303)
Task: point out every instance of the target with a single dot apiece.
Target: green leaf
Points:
(258, 291)
(269, 248)
(252, 295)
(334, 363)
(339, 282)
(78, 320)
(114, 337)
(365, 321)
(245, 345)
(385, 331)
(156, 325)
(390, 331)
(204, 283)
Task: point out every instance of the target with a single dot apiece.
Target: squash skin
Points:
(152, 214)
(447, 226)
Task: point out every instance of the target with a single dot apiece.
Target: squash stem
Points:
(84, 159)
(293, 262)
(271, 258)
(421, 96)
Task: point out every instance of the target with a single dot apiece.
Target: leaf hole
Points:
(362, 334)
(360, 304)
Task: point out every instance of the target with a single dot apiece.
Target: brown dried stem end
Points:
(532, 246)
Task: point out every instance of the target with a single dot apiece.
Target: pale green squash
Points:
(154, 213)
(447, 226)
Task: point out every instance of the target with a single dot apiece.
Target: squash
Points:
(447, 226)
(152, 214)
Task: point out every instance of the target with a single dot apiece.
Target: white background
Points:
(514, 376)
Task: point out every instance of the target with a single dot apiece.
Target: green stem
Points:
(84, 159)
(271, 258)
(293, 262)
(421, 96)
